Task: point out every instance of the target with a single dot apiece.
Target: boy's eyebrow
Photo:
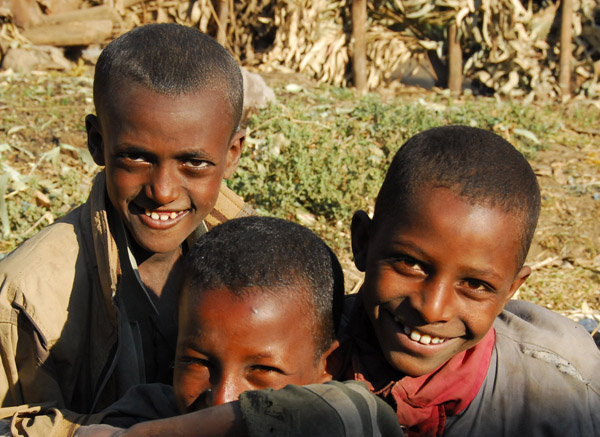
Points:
(184, 154)
(469, 271)
(409, 245)
(484, 273)
(262, 355)
(193, 155)
(129, 148)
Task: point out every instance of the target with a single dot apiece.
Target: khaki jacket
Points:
(59, 340)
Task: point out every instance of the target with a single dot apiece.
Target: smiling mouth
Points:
(419, 337)
(163, 215)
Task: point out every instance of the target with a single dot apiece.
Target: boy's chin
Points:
(414, 367)
(145, 246)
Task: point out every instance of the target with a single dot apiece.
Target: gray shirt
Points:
(543, 380)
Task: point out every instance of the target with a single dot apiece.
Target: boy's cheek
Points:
(187, 386)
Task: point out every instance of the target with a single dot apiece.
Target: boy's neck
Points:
(160, 272)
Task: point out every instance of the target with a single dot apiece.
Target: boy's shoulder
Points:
(44, 255)
(43, 271)
(549, 338)
(542, 379)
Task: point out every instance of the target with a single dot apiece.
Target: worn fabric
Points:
(542, 380)
(58, 323)
(61, 336)
(140, 404)
(333, 409)
(329, 410)
(44, 420)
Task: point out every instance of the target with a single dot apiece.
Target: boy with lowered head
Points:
(259, 307)
(88, 305)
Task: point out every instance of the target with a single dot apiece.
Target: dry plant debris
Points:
(510, 46)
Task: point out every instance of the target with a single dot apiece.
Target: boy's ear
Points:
(328, 367)
(236, 144)
(519, 280)
(94, 139)
(360, 227)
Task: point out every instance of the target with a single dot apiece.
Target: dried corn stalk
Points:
(509, 45)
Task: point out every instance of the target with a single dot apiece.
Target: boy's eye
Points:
(406, 264)
(196, 164)
(135, 157)
(477, 286)
(267, 369)
(190, 361)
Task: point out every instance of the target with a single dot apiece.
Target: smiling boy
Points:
(433, 329)
(88, 306)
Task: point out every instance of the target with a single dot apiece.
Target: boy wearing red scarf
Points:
(433, 329)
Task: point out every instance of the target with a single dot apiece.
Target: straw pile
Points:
(508, 47)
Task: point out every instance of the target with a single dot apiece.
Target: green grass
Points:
(325, 155)
(316, 157)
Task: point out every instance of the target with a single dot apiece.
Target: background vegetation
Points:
(317, 155)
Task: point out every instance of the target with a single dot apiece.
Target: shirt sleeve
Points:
(142, 403)
(333, 409)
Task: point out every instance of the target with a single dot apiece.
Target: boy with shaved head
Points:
(434, 330)
(87, 306)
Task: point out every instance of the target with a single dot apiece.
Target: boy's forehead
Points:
(399, 209)
(121, 94)
(289, 300)
(257, 312)
(429, 204)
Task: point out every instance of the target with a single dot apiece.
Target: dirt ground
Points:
(48, 172)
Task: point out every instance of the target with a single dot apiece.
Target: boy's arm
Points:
(229, 205)
(27, 374)
(331, 409)
(224, 420)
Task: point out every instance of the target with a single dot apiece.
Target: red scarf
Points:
(422, 403)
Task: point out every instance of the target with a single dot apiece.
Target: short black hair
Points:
(171, 59)
(475, 164)
(270, 255)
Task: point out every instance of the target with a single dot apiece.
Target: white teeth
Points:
(418, 337)
(162, 217)
(422, 338)
(425, 339)
(415, 336)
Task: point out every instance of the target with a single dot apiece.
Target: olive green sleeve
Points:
(333, 409)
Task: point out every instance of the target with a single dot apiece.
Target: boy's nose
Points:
(435, 301)
(226, 390)
(162, 187)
